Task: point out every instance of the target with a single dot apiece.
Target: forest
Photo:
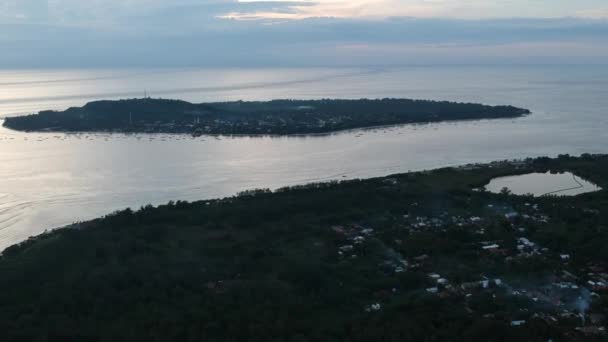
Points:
(277, 117)
(425, 256)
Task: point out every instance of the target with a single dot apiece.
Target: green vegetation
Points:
(272, 117)
(409, 257)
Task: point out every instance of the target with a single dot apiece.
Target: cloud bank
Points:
(112, 33)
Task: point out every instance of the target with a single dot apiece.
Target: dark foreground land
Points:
(414, 257)
(271, 117)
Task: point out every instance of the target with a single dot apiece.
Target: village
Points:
(564, 297)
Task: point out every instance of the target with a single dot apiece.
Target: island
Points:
(277, 117)
(424, 256)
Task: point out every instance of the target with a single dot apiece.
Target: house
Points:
(512, 215)
(346, 248)
(524, 241)
(367, 231)
(358, 239)
(421, 258)
(517, 323)
(373, 307)
(391, 181)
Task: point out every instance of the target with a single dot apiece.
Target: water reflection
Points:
(543, 184)
(49, 180)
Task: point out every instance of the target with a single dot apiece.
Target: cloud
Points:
(74, 33)
(315, 41)
(469, 9)
(596, 13)
(97, 13)
(343, 9)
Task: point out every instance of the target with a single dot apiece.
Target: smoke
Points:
(583, 302)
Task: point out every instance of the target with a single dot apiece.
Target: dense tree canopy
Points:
(271, 117)
(264, 266)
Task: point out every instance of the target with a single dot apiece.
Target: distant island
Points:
(426, 256)
(276, 117)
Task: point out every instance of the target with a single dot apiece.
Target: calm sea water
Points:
(49, 180)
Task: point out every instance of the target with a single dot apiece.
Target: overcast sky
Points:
(117, 33)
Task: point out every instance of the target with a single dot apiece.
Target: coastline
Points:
(515, 167)
(264, 135)
(249, 118)
(406, 248)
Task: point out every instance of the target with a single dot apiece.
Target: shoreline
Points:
(514, 164)
(348, 250)
(279, 117)
(267, 135)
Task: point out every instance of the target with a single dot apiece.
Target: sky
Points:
(243, 33)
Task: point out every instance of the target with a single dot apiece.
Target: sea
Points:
(49, 180)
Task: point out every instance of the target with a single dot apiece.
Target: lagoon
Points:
(543, 184)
